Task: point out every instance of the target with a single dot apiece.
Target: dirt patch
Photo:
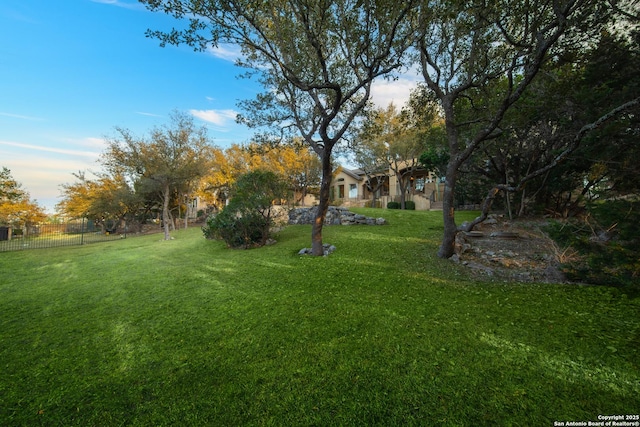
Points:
(510, 250)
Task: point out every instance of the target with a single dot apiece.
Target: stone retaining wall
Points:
(336, 215)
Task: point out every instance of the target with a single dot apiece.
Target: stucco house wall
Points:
(349, 188)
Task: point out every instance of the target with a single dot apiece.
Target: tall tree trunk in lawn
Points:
(186, 214)
(165, 211)
(447, 247)
(404, 187)
(323, 204)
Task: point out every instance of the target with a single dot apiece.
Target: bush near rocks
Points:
(409, 205)
(248, 219)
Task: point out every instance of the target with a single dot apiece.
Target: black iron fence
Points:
(78, 232)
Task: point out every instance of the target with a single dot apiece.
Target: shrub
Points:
(246, 221)
(606, 242)
(209, 230)
(238, 230)
(408, 204)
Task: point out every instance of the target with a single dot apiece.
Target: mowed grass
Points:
(186, 332)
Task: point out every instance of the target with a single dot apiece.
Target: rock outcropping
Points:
(335, 216)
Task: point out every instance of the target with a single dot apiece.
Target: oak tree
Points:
(316, 59)
(165, 162)
(478, 58)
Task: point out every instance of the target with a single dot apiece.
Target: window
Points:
(353, 191)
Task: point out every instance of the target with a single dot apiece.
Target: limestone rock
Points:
(336, 215)
(327, 248)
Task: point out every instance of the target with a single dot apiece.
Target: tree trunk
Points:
(323, 205)
(186, 211)
(172, 221)
(165, 212)
(523, 202)
(447, 248)
(507, 198)
(374, 189)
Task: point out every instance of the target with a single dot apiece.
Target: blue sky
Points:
(73, 70)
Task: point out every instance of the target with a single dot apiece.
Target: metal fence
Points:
(79, 232)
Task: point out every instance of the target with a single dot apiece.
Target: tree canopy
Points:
(478, 58)
(168, 162)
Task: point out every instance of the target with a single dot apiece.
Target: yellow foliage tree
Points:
(294, 163)
(16, 207)
(102, 199)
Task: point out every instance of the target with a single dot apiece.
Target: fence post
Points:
(82, 232)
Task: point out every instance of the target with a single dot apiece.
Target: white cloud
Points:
(95, 144)
(383, 92)
(119, 3)
(41, 175)
(20, 116)
(142, 113)
(227, 52)
(217, 117)
(51, 149)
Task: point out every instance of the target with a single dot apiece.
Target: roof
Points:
(354, 173)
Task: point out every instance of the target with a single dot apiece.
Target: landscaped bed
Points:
(381, 332)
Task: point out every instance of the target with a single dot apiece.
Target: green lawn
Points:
(147, 332)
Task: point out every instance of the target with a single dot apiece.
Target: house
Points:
(352, 187)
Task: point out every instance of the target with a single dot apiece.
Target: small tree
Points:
(375, 169)
(371, 155)
(387, 140)
(172, 157)
(248, 218)
(105, 199)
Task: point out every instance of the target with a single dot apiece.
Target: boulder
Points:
(327, 248)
